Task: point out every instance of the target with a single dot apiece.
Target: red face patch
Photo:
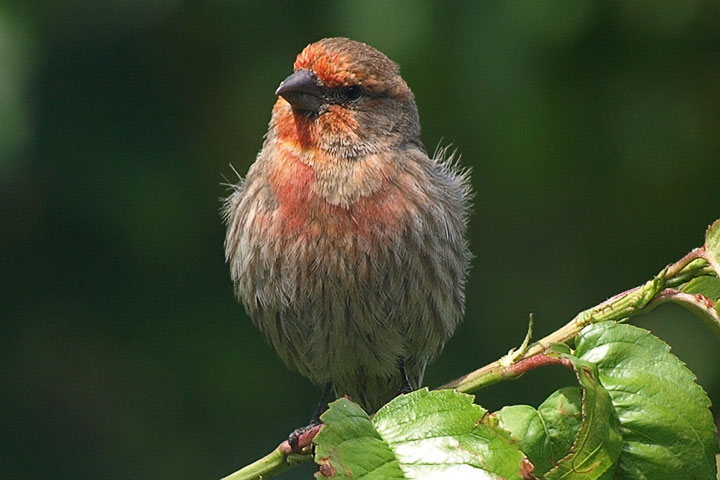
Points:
(293, 126)
(333, 69)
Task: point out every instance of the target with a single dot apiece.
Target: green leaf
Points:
(599, 442)
(571, 435)
(668, 431)
(546, 434)
(439, 434)
(562, 413)
(349, 446)
(712, 246)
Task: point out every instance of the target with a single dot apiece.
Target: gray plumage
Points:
(351, 259)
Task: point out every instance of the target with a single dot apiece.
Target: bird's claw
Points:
(405, 389)
(303, 436)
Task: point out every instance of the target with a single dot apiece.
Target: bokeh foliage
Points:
(591, 128)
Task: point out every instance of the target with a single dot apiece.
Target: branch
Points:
(271, 464)
(622, 306)
(697, 303)
(279, 460)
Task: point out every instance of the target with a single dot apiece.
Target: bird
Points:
(346, 241)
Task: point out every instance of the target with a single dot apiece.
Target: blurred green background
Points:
(592, 129)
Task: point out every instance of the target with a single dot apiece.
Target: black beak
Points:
(303, 91)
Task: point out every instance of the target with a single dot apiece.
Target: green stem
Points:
(269, 466)
(620, 307)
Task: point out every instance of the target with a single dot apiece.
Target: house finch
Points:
(345, 240)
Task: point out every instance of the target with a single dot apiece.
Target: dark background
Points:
(591, 128)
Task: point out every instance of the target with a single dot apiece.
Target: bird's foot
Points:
(407, 388)
(303, 436)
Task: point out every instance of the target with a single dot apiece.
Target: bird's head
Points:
(346, 99)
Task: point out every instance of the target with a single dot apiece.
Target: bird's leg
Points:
(406, 386)
(294, 437)
(322, 404)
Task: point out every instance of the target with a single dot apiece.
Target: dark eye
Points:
(352, 93)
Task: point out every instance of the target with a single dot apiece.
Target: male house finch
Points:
(345, 240)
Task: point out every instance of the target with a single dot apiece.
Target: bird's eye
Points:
(352, 93)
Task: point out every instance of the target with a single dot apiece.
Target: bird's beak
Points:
(302, 91)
